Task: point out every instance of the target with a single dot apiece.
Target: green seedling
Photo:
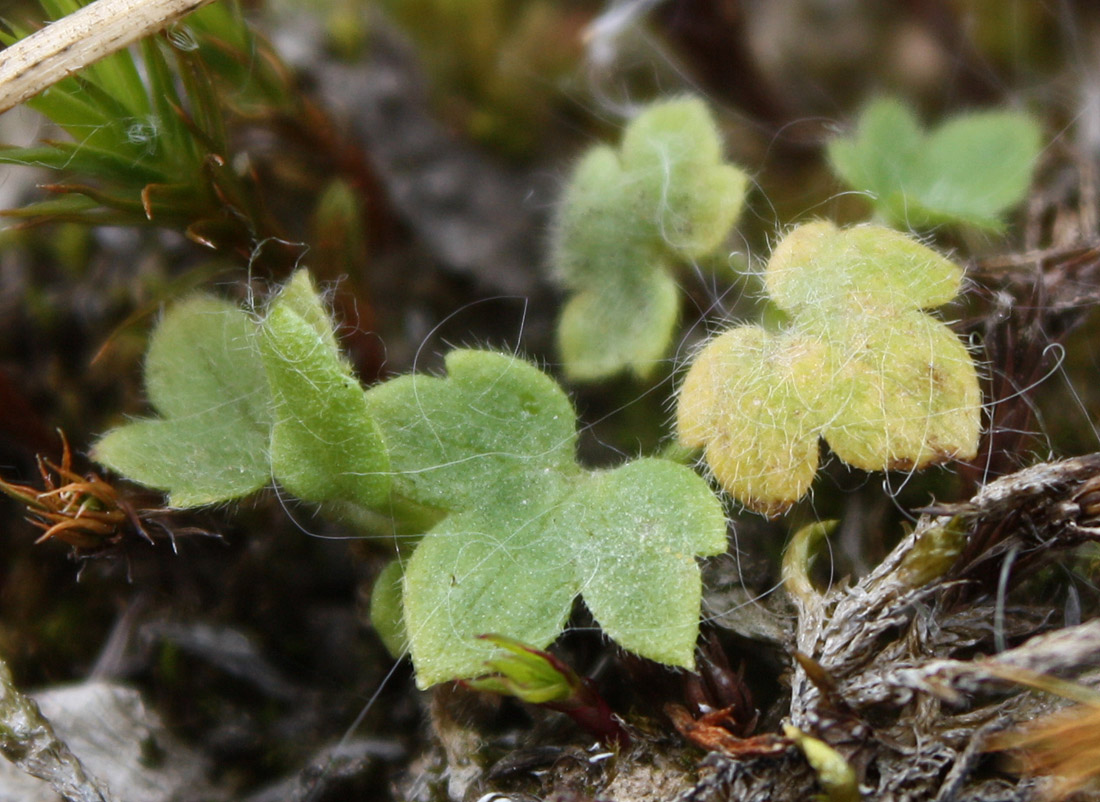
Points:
(627, 217)
(539, 678)
(526, 530)
(520, 530)
(857, 362)
(970, 170)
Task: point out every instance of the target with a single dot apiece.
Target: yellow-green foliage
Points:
(859, 363)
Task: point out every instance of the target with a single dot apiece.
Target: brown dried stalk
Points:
(71, 43)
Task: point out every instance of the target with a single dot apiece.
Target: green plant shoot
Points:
(859, 363)
(970, 170)
(521, 530)
(147, 140)
(627, 217)
(527, 530)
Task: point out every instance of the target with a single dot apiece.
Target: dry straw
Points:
(66, 46)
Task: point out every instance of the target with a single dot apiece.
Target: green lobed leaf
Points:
(673, 154)
(626, 217)
(203, 375)
(528, 530)
(635, 532)
(856, 362)
(882, 152)
(996, 151)
(324, 443)
(496, 426)
(476, 573)
(595, 211)
(970, 170)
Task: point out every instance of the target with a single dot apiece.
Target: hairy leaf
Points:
(528, 529)
(626, 218)
(242, 403)
(857, 362)
(204, 376)
(324, 444)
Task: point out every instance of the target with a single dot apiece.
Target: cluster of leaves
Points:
(968, 171)
(148, 139)
(627, 216)
(857, 363)
(487, 453)
(478, 466)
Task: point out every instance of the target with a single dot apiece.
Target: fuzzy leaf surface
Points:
(204, 376)
(324, 444)
(969, 170)
(627, 216)
(527, 529)
(386, 609)
(857, 363)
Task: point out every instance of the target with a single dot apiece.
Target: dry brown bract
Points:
(85, 511)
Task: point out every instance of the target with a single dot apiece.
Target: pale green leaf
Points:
(496, 426)
(528, 529)
(855, 362)
(600, 333)
(672, 155)
(300, 297)
(882, 152)
(635, 533)
(995, 151)
(598, 237)
(324, 444)
(627, 217)
(203, 459)
(970, 170)
(203, 375)
(471, 576)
